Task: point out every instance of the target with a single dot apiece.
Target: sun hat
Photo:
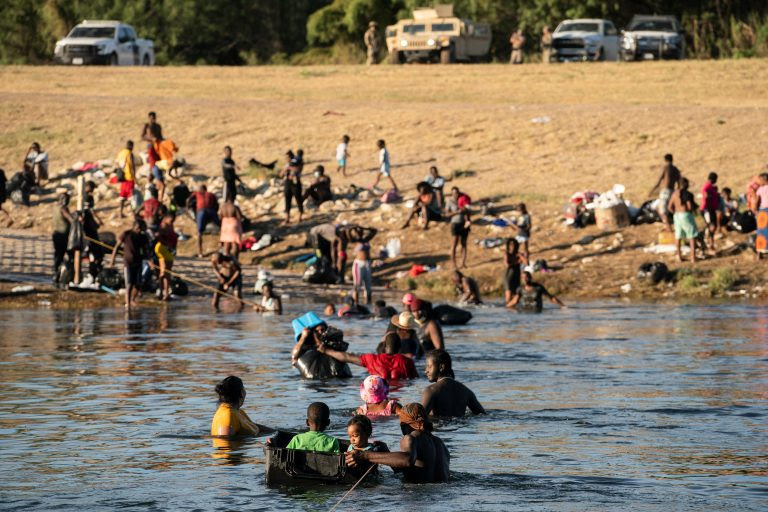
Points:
(374, 389)
(405, 321)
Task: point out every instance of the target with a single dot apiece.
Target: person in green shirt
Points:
(318, 419)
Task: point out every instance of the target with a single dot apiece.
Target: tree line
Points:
(236, 32)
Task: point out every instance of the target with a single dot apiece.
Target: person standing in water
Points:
(229, 274)
(447, 396)
(512, 262)
(529, 295)
(467, 288)
(230, 420)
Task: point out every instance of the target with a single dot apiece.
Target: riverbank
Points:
(533, 134)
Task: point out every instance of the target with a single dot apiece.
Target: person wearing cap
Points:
(390, 365)
(432, 333)
(423, 457)
(404, 325)
(374, 391)
(529, 294)
(467, 288)
(447, 396)
(372, 43)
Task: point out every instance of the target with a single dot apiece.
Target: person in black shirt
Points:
(291, 175)
(529, 295)
(229, 169)
(135, 246)
(152, 129)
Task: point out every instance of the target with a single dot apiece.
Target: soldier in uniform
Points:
(546, 44)
(517, 40)
(372, 43)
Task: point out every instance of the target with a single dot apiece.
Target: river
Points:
(605, 406)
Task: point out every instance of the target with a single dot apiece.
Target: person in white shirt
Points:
(342, 154)
(385, 167)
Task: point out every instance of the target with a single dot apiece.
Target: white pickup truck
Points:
(591, 39)
(104, 42)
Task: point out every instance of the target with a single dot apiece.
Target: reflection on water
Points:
(600, 407)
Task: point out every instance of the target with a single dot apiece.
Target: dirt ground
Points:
(598, 124)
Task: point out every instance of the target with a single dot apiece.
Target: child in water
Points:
(359, 430)
(316, 440)
(374, 391)
(229, 419)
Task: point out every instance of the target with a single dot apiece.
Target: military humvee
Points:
(435, 35)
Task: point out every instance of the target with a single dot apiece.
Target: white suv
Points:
(104, 42)
(588, 39)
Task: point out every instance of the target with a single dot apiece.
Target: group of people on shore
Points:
(422, 456)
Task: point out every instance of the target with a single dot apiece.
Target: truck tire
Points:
(113, 60)
(447, 55)
(145, 60)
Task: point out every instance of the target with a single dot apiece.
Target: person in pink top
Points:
(761, 201)
(710, 208)
(375, 393)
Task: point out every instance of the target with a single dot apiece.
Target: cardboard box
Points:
(615, 217)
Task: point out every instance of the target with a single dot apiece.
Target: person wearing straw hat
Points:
(404, 325)
(391, 364)
(372, 43)
(423, 457)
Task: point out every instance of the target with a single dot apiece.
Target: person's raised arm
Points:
(305, 333)
(344, 357)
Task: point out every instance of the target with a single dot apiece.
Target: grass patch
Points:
(722, 279)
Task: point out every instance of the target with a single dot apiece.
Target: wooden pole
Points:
(78, 255)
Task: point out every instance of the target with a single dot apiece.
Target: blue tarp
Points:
(306, 320)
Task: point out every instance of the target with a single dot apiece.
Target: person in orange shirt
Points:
(166, 150)
(230, 420)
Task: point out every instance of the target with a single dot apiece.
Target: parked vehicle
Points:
(653, 37)
(435, 35)
(587, 39)
(104, 42)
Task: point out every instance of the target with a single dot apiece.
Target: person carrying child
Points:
(316, 440)
(230, 420)
(374, 391)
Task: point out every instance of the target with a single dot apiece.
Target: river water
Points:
(600, 407)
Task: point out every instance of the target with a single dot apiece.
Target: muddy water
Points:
(602, 407)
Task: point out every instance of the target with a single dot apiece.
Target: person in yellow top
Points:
(127, 162)
(230, 420)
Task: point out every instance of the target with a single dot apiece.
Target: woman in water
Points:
(270, 301)
(374, 391)
(230, 420)
(512, 260)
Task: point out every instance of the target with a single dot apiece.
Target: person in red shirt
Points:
(152, 210)
(710, 208)
(390, 365)
(206, 208)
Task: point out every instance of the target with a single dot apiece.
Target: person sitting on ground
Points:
(728, 206)
(512, 263)
(229, 275)
(682, 206)
(230, 420)
(128, 163)
(432, 333)
(374, 391)
(270, 301)
(320, 189)
(447, 396)
(206, 208)
(316, 440)
(437, 183)
(390, 365)
(466, 288)
(381, 310)
(165, 249)
(135, 246)
(359, 430)
(529, 295)
(426, 206)
(229, 171)
(404, 325)
(423, 457)
(231, 229)
(457, 209)
(36, 163)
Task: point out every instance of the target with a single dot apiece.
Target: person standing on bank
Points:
(372, 43)
(229, 170)
(546, 44)
(61, 220)
(517, 40)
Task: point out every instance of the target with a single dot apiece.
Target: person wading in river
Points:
(447, 396)
(423, 457)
